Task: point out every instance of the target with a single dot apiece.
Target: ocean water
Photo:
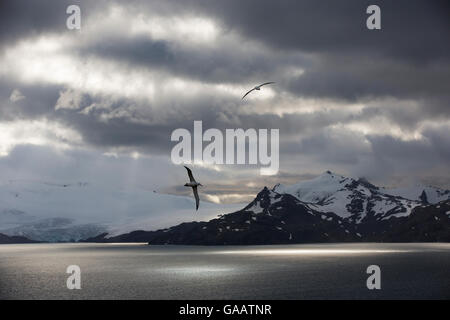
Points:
(140, 271)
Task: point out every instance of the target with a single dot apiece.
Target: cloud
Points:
(24, 19)
(409, 30)
(16, 95)
(69, 99)
(36, 132)
(346, 99)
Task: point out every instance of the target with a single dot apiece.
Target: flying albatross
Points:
(193, 184)
(256, 88)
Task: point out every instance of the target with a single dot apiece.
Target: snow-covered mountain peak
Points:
(355, 200)
(420, 192)
(347, 197)
(317, 189)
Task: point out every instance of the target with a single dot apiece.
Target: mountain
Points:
(355, 200)
(55, 230)
(4, 239)
(330, 208)
(425, 194)
(61, 212)
(426, 223)
(269, 218)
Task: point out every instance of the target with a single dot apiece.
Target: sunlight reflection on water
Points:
(193, 272)
(310, 251)
(197, 269)
(139, 271)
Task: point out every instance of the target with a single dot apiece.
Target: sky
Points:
(99, 104)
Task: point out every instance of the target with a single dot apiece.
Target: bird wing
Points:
(197, 199)
(247, 93)
(265, 84)
(191, 177)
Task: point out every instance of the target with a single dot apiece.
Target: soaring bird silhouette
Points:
(256, 88)
(193, 184)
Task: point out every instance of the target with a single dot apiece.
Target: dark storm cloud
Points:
(21, 19)
(408, 58)
(139, 126)
(414, 30)
(146, 138)
(217, 64)
(392, 152)
(152, 131)
(391, 156)
(354, 78)
(401, 74)
(440, 141)
(39, 100)
(344, 147)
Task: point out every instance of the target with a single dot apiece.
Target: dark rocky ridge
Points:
(4, 239)
(273, 218)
